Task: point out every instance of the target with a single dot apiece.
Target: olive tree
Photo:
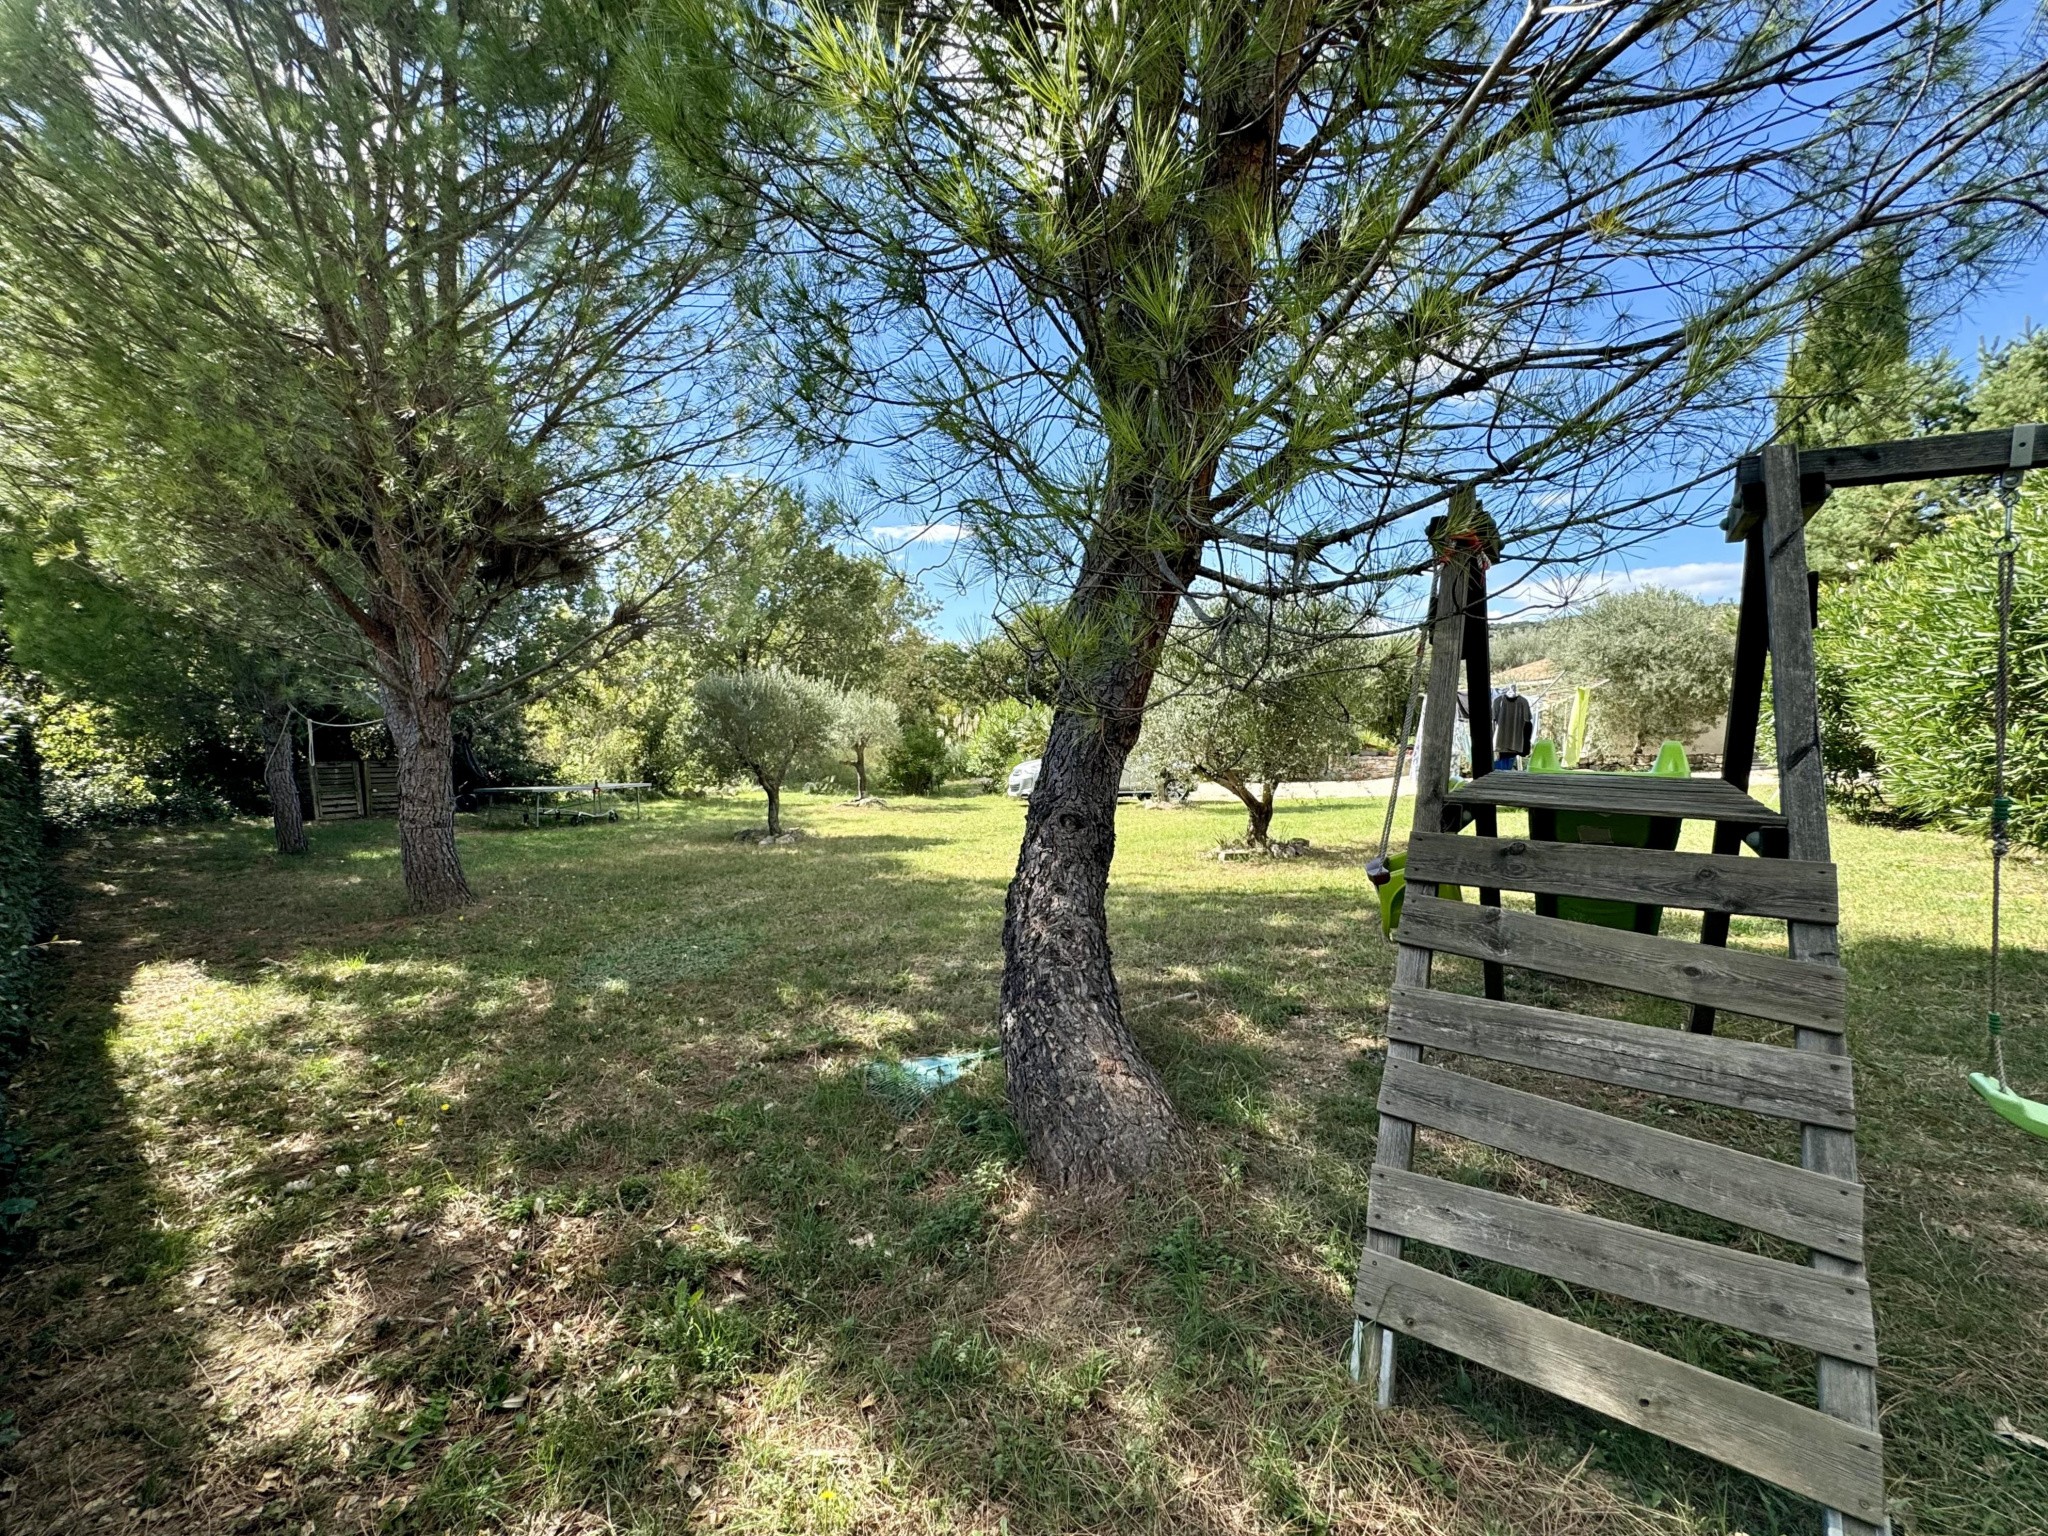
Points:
(867, 726)
(761, 724)
(1202, 302)
(1661, 662)
(1251, 740)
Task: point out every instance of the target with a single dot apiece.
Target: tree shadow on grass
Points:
(96, 1339)
(365, 1223)
(662, 1252)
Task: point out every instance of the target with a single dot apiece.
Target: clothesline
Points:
(339, 725)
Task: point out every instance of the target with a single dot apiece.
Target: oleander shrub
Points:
(1005, 734)
(1908, 654)
(922, 759)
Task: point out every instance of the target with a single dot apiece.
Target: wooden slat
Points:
(1912, 458)
(1756, 1192)
(1845, 1388)
(1394, 1144)
(1798, 1449)
(1723, 1285)
(382, 782)
(1622, 794)
(1764, 986)
(1788, 888)
(1708, 1069)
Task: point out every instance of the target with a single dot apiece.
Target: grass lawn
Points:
(571, 1213)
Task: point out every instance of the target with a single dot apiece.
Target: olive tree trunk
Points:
(1258, 824)
(1091, 1108)
(1258, 808)
(774, 791)
(421, 723)
(287, 816)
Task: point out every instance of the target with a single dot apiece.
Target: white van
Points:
(1137, 781)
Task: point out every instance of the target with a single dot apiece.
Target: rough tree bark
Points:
(860, 772)
(773, 787)
(287, 817)
(1090, 1106)
(420, 717)
(1258, 816)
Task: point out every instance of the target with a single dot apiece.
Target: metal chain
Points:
(2001, 807)
(1408, 715)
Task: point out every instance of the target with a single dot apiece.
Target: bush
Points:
(1004, 735)
(921, 760)
(92, 775)
(1907, 659)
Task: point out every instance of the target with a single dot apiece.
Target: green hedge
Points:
(21, 913)
(1907, 658)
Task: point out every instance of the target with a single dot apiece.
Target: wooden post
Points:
(1396, 1143)
(1479, 696)
(312, 769)
(1738, 741)
(1847, 1390)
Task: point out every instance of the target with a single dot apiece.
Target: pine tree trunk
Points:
(287, 816)
(1091, 1108)
(774, 789)
(423, 734)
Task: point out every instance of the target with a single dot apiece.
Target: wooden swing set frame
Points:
(1832, 1454)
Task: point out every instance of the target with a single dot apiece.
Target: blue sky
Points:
(1692, 558)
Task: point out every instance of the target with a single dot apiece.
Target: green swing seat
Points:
(1390, 879)
(2028, 1114)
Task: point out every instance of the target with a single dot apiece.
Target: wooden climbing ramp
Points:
(1832, 1452)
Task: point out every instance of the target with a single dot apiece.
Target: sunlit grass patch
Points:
(663, 1258)
(661, 959)
(177, 1006)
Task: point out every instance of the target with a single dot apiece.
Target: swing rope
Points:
(2001, 805)
(1993, 1087)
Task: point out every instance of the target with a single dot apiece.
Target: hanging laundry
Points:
(1514, 725)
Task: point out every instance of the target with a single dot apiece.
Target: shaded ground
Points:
(571, 1213)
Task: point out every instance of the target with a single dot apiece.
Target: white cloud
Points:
(1711, 581)
(921, 533)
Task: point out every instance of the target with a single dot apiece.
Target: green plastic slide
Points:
(1614, 831)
